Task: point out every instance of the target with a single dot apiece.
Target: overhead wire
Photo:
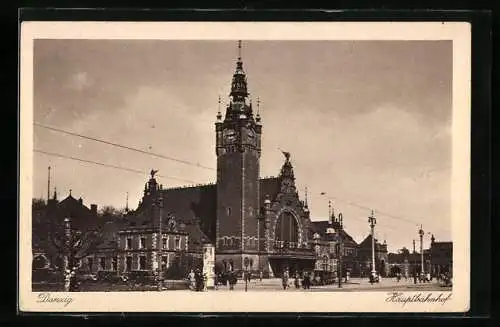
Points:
(186, 162)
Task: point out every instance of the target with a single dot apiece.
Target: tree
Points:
(71, 246)
(110, 212)
(38, 204)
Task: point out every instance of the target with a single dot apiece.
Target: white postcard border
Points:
(279, 301)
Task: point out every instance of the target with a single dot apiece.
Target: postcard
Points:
(244, 167)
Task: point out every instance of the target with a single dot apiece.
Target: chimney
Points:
(80, 201)
(93, 209)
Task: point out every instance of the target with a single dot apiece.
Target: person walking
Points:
(191, 279)
(297, 282)
(232, 280)
(285, 279)
(260, 276)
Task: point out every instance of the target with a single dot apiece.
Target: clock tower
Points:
(238, 148)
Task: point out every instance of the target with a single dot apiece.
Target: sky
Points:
(368, 123)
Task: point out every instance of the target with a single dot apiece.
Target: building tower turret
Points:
(238, 149)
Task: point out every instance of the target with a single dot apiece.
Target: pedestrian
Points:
(232, 280)
(191, 279)
(284, 279)
(308, 281)
(260, 276)
(297, 282)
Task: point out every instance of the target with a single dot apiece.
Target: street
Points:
(354, 285)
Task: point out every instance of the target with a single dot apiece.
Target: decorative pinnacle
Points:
(219, 116)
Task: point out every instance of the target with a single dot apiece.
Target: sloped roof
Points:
(367, 243)
(193, 204)
(81, 216)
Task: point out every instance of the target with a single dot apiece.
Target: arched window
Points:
(286, 228)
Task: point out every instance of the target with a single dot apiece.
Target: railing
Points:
(282, 247)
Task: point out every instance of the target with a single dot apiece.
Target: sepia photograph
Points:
(264, 168)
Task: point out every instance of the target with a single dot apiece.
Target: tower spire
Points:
(239, 84)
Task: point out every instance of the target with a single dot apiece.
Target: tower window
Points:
(228, 211)
(142, 262)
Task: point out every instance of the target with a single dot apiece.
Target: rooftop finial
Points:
(258, 110)
(329, 208)
(219, 115)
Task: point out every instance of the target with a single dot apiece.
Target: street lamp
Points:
(246, 263)
(373, 221)
(421, 234)
(159, 202)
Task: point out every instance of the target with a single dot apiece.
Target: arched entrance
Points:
(287, 250)
(287, 230)
(40, 262)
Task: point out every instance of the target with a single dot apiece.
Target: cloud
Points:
(80, 81)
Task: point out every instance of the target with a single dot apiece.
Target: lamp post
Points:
(246, 262)
(373, 221)
(339, 258)
(159, 203)
(421, 234)
(67, 269)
